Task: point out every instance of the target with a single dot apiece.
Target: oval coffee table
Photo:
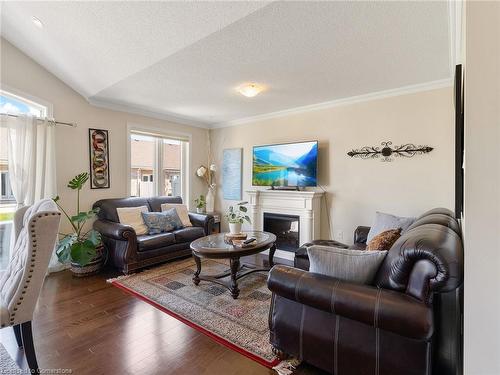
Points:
(214, 247)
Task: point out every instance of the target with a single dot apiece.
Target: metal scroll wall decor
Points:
(99, 159)
(389, 152)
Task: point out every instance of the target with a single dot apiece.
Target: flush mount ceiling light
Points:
(250, 89)
(37, 22)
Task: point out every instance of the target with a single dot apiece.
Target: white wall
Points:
(22, 73)
(482, 189)
(357, 188)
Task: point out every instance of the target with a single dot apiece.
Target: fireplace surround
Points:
(306, 205)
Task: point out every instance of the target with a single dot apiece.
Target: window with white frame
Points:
(11, 104)
(157, 165)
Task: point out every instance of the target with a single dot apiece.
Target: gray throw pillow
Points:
(356, 266)
(385, 222)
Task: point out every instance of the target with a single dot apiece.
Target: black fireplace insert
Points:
(286, 228)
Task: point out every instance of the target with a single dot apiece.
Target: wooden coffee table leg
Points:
(235, 265)
(272, 250)
(196, 279)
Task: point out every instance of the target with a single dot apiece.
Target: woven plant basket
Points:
(91, 268)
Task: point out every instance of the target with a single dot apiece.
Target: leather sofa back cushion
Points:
(181, 211)
(107, 207)
(385, 222)
(132, 216)
(156, 202)
(384, 240)
(356, 266)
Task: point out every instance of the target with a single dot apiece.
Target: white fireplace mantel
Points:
(304, 204)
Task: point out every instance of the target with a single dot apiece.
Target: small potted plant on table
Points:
(236, 215)
(81, 248)
(201, 203)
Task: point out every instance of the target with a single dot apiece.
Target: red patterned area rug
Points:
(241, 325)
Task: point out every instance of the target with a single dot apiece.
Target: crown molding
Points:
(341, 102)
(136, 110)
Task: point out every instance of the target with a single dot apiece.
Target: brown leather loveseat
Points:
(130, 252)
(408, 322)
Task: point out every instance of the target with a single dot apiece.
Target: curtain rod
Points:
(72, 124)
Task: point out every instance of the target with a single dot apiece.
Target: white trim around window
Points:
(30, 99)
(165, 133)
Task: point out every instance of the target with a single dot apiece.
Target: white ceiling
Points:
(184, 59)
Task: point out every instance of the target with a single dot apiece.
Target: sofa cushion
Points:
(160, 222)
(133, 216)
(107, 207)
(356, 266)
(156, 202)
(385, 222)
(154, 241)
(384, 240)
(188, 234)
(182, 211)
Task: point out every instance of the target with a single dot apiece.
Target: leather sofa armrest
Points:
(361, 234)
(206, 221)
(379, 308)
(114, 230)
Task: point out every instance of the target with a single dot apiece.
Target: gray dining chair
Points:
(35, 230)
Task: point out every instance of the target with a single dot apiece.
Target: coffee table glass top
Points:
(216, 242)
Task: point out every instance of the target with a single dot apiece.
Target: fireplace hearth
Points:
(286, 228)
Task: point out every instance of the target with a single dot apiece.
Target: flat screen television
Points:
(283, 165)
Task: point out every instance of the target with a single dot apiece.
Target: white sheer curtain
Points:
(32, 162)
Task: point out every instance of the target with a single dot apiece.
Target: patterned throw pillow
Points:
(173, 219)
(159, 222)
(384, 240)
(182, 211)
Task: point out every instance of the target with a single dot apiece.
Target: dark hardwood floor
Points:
(91, 327)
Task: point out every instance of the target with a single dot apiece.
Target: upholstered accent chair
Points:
(36, 229)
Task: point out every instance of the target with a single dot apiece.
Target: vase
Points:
(235, 228)
(210, 200)
(200, 210)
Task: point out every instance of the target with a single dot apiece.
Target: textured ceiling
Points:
(184, 59)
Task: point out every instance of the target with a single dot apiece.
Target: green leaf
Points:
(94, 237)
(83, 252)
(56, 198)
(63, 247)
(248, 220)
(243, 209)
(83, 216)
(78, 181)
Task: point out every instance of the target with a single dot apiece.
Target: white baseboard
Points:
(281, 254)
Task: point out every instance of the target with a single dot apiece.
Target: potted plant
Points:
(236, 215)
(81, 248)
(200, 204)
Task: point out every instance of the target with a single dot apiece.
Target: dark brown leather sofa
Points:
(130, 252)
(408, 322)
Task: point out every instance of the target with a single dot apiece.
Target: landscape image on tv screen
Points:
(291, 164)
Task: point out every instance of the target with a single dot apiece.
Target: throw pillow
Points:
(384, 240)
(182, 211)
(173, 221)
(132, 216)
(385, 222)
(356, 266)
(158, 222)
